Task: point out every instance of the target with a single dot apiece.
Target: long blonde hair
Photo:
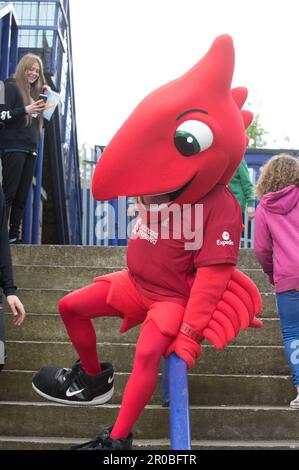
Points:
(278, 173)
(27, 90)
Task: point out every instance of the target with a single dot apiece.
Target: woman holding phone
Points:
(22, 116)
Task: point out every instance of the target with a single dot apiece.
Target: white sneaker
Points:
(295, 403)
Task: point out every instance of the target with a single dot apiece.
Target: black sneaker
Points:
(73, 386)
(104, 442)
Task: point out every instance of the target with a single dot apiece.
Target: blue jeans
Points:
(288, 309)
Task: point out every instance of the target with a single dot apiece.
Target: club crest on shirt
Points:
(141, 231)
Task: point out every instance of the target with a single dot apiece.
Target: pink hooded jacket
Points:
(276, 237)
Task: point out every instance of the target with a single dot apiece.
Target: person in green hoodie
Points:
(243, 189)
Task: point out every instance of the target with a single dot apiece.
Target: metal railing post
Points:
(38, 190)
(84, 203)
(180, 436)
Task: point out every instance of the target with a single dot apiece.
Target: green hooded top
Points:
(242, 186)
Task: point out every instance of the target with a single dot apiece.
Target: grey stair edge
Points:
(190, 374)
(151, 407)
(86, 268)
(105, 343)
(21, 248)
(55, 315)
(69, 440)
(33, 289)
(81, 267)
(45, 246)
(44, 289)
(151, 442)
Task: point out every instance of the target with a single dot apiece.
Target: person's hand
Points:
(250, 213)
(37, 107)
(46, 88)
(186, 348)
(17, 309)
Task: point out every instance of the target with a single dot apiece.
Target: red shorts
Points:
(136, 308)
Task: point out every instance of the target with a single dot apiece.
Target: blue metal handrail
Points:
(9, 44)
(175, 392)
(38, 191)
(32, 222)
(7, 9)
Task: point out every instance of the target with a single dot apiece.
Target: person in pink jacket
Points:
(276, 245)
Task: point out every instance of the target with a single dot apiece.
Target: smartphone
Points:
(43, 97)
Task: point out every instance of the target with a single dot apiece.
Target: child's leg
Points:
(288, 308)
(142, 383)
(76, 310)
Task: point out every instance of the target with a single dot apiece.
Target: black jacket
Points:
(14, 134)
(6, 276)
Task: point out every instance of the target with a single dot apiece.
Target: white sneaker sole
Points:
(294, 406)
(96, 401)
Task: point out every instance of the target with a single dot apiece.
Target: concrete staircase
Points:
(239, 397)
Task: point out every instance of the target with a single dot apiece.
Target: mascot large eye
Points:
(193, 137)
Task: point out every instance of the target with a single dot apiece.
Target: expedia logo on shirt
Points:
(225, 240)
(142, 231)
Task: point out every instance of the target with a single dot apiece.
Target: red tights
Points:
(77, 309)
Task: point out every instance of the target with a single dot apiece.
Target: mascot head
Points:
(182, 139)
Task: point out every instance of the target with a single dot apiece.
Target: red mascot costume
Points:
(177, 152)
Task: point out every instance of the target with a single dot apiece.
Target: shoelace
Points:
(69, 374)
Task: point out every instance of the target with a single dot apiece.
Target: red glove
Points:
(240, 305)
(222, 301)
(186, 348)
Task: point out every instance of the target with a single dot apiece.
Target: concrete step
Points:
(269, 305)
(57, 255)
(208, 423)
(75, 277)
(260, 279)
(204, 390)
(52, 443)
(247, 259)
(92, 256)
(57, 277)
(49, 327)
(239, 396)
(265, 360)
(46, 300)
(40, 300)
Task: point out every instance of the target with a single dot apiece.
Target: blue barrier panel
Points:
(179, 404)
